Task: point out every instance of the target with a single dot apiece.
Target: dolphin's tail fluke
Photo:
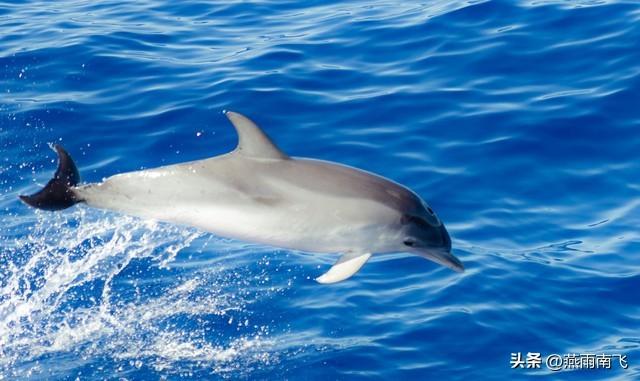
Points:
(58, 193)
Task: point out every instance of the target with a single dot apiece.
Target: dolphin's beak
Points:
(441, 252)
(445, 258)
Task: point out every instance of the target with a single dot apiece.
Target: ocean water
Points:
(518, 121)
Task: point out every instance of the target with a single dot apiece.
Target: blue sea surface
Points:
(518, 121)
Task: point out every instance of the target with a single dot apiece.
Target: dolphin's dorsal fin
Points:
(344, 268)
(252, 141)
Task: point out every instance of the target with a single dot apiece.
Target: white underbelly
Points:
(280, 228)
(304, 226)
(294, 219)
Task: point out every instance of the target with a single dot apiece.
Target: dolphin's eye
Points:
(409, 242)
(430, 210)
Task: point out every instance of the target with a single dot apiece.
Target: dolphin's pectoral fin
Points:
(252, 141)
(344, 268)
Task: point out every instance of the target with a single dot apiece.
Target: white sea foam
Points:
(57, 296)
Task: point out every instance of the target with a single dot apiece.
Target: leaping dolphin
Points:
(257, 193)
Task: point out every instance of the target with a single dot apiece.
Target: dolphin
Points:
(258, 193)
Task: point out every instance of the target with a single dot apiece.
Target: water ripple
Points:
(517, 120)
